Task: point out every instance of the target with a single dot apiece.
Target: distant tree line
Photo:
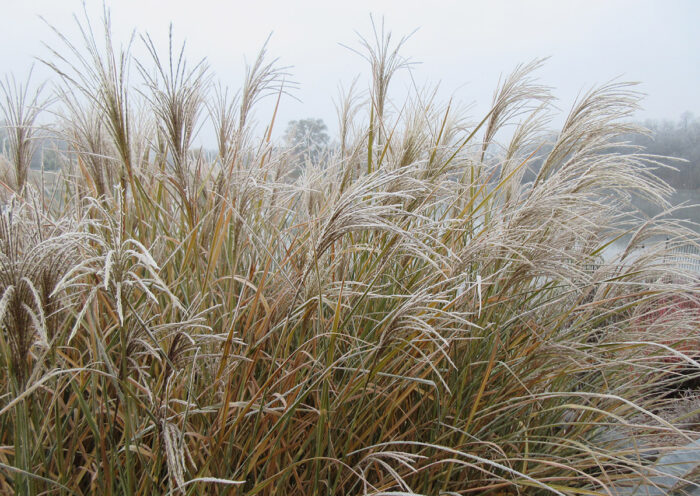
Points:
(679, 139)
(309, 140)
(675, 139)
(667, 139)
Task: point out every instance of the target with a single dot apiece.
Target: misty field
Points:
(417, 309)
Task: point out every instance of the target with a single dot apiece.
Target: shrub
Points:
(408, 316)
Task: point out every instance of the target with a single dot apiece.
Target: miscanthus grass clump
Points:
(423, 309)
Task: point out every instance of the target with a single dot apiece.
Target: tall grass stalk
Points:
(431, 308)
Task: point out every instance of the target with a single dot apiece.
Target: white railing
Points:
(685, 257)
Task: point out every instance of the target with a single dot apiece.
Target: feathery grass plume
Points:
(100, 75)
(424, 310)
(262, 79)
(177, 95)
(514, 98)
(347, 107)
(384, 61)
(222, 112)
(120, 265)
(84, 128)
(20, 107)
(34, 255)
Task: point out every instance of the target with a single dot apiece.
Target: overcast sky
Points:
(463, 45)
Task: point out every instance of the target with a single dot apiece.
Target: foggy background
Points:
(463, 45)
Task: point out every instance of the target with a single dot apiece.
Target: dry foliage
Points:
(410, 316)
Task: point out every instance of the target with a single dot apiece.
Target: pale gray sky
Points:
(464, 45)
